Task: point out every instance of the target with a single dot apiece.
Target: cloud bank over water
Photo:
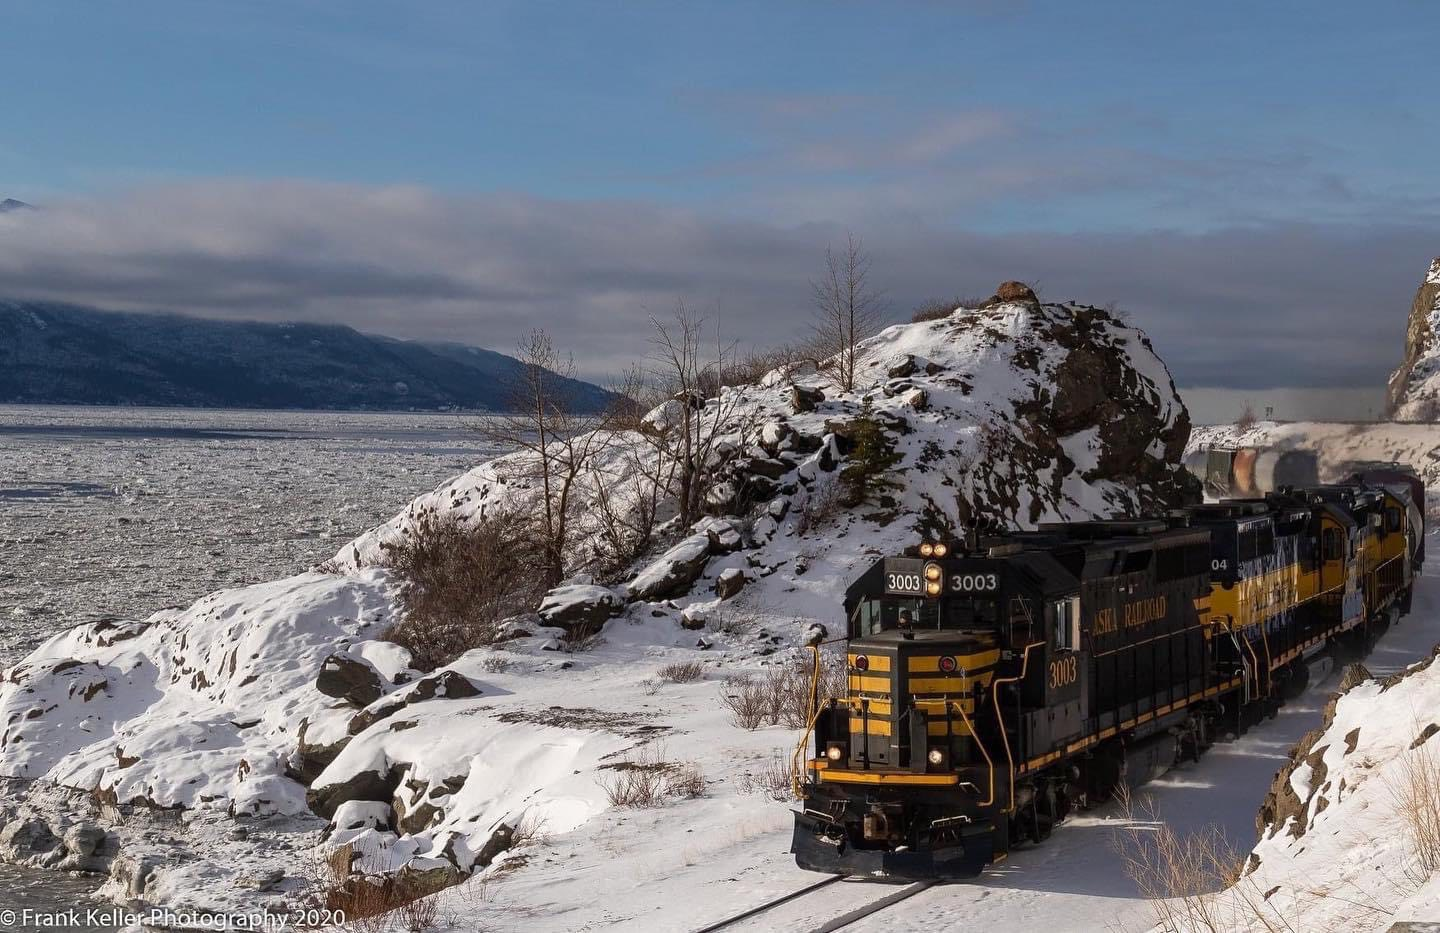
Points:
(1244, 308)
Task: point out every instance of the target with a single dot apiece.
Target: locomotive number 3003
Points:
(1064, 671)
(974, 582)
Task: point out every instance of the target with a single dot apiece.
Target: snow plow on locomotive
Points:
(994, 688)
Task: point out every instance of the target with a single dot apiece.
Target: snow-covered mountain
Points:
(52, 353)
(280, 703)
(1414, 388)
(10, 204)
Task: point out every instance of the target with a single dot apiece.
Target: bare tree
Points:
(563, 440)
(847, 311)
(696, 411)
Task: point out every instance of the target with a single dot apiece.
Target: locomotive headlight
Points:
(932, 589)
(927, 549)
(936, 756)
(940, 549)
(947, 665)
(862, 663)
(835, 751)
(932, 571)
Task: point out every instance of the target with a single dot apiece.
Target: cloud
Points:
(1249, 308)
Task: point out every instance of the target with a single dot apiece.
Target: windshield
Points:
(953, 613)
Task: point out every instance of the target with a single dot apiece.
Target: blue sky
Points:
(907, 122)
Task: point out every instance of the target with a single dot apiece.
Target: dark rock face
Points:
(1408, 397)
(446, 685)
(803, 399)
(580, 606)
(673, 572)
(1011, 291)
(350, 679)
(365, 785)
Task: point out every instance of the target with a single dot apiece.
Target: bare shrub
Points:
(754, 365)
(645, 779)
(367, 903)
(781, 695)
(686, 781)
(1247, 419)
(1193, 882)
(683, 672)
(420, 915)
(747, 700)
(937, 309)
(823, 503)
(496, 663)
(732, 618)
(1415, 794)
(529, 831)
(579, 639)
(774, 777)
(458, 580)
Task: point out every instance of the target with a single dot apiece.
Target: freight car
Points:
(995, 687)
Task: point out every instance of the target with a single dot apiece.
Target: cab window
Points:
(1065, 624)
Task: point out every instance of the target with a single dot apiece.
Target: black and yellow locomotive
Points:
(996, 687)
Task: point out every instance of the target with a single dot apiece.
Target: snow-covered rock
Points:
(580, 605)
(200, 708)
(1339, 828)
(673, 571)
(1413, 393)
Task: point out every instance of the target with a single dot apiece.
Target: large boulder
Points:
(351, 679)
(674, 571)
(580, 606)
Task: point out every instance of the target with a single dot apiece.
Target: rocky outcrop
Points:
(350, 679)
(1413, 393)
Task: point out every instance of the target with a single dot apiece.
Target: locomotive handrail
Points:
(989, 762)
(814, 715)
(995, 695)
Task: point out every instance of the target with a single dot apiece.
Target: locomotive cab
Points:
(913, 768)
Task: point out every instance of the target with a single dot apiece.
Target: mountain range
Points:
(64, 354)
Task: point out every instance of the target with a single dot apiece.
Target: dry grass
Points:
(368, 904)
(1415, 793)
(780, 696)
(683, 672)
(645, 779)
(685, 781)
(459, 580)
(824, 502)
(939, 308)
(774, 777)
(733, 618)
(496, 663)
(1194, 883)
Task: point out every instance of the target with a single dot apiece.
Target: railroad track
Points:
(838, 923)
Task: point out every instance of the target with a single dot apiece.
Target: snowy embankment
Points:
(190, 753)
